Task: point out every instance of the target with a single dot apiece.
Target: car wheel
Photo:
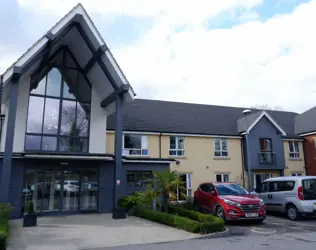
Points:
(292, 212)
(220, 213)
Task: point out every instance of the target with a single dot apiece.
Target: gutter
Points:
(243, 161)
(1, 86)
(160, 145)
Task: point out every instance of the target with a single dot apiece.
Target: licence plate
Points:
(251, 215)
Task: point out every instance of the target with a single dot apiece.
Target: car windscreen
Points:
(230, 189)
(309, 189)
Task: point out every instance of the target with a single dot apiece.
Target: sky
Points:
(221, 52)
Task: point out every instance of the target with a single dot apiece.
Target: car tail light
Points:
(300, 193)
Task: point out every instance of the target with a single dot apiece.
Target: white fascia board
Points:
(270, 119)
(309, 133)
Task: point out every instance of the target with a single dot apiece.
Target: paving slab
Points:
(74, 232)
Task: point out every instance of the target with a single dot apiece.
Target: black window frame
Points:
(135, 172)
(61, 69)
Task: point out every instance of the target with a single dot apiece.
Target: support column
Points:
(118, 156)
(9, 138)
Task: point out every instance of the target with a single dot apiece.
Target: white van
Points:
(293, 195)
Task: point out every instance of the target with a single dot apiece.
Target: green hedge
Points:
(181, 222)
(215, 224)
(5, 210)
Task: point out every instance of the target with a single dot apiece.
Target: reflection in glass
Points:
(29, 191)
(49, 190)
(62, 110)
(33, 142)
(53, 83)
(51, 116)
(49, 143)
(89, 190)
(72, 144)
(82, 119)
(35, 114)
(68, 116)
(43, 189)
(71, 191)
(40, 90)
(66, 92)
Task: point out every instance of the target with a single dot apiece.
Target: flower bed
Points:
(187, 220)
(5, 210)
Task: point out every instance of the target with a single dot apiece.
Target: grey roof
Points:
(306, 122)
(242, 122)
(175, 117)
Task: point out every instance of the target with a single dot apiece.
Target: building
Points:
(305, 126)
(55, 101)
(208, 141)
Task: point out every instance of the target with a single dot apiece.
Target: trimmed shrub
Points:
(168, 219)
(5, 210)
(180, 221)
(143, 198)
(215, 224)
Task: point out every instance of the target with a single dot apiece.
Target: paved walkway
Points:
(89, 232)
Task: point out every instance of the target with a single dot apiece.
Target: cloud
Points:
(180, 58)
(270, 62)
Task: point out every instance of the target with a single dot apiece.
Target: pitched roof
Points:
(306, 122)
(175, 117)
(247, 123)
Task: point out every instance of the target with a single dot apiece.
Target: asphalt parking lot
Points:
(273, 224)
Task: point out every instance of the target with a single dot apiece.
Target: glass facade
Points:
(61, 190)
(59, 111)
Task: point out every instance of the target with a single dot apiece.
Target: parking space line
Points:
(296, 228)
(258, 230)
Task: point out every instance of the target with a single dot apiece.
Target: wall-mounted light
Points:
(177, 162)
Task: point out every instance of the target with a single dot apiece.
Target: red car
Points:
(229, 201)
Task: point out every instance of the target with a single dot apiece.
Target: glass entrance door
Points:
(61, 191)
(71, 191)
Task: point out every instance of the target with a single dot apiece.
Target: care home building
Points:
(55, 101)
(208, 141)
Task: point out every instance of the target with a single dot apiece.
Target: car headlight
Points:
(232, 203)
(261, 202)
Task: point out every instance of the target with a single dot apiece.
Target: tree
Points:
(74, 120)
(165, 184)
(266, 107)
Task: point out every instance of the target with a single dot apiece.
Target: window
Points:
(279, 186)
(207, 188)
(265, 145)
(135, 145)
(59, 112)
(264, 187)
(296, 174)
(266, 155)
(309, 189)
(220, 148)
(176, 146)
(138, 179)
(186, 180)
(294, 149)
(222, 178)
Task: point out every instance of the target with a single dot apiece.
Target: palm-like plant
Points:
(165, 184)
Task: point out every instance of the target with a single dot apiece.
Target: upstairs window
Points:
(265, 145)
(135, 144)
(176, 146)
(59, 112)
(220, 148)
(294, 150)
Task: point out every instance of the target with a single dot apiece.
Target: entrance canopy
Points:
(90, 55)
